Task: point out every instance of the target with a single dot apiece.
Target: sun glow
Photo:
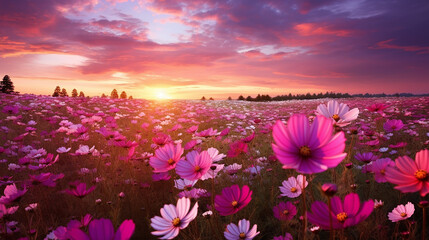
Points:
(161, 94)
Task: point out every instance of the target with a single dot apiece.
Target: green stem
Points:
(331, 230)
(424, 224)
(304, 208)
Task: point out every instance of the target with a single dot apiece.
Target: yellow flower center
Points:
(304, 151)
(403, 214)
(170, 161)
(285, 212)
(421, 175)
(341, 217)
(242, 236)
(293, 190)
(197, 168)
(176, 222)
(336, 117)
(382, 171)
(234, 203)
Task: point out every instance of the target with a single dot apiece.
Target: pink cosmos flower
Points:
(79, 190)
(287, 236)
(11, 194)
(174, 218)
(305, 148)
(343, 214)
(401, 212)
(284, 211)
(195, 165)
(166, 157)
(377, 107)
(366, 157)
(409, 175)
(292, 187)
(184, 184)
(192, 129)
(161, 139)
(236, 149)
(215, 155)
(162, 176)
(393, 125)
(102, 229)
(233, 169)
(47, 179)
(194, 193)
(207, 133)
(7, 211)
(234, 232)
(232, 199)
(249, 138)
(338, 112)
(378, 167)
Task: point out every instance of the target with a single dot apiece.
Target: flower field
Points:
(99, 168)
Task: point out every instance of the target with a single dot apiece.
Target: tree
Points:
(203, 98)
(114, 94)
(130, 97)
(241, 98)
(7, 85)
(74, 92)
(229, 98)
(103, 95)
(81, 94)
(64, 93)
(57, 92)
(123, 95)
(211, 98)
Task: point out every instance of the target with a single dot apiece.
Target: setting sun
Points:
(160, 94)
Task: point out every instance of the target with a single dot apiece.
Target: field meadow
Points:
(50, 147)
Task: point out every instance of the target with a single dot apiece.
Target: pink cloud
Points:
(388, 45)
(310, 29)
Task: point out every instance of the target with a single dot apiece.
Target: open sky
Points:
(215, 48)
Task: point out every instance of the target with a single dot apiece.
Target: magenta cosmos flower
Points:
(393, 125)
(174, 218)
(240, 232)
(11, 194)
(343, 214)
(409, 175)
(338, 112)
(401, 212)
(166, 157)
(79, 190)
(195, 165)
(284, 211)
(308, 148)
(232, 199)
(102, 229)
(378, 167)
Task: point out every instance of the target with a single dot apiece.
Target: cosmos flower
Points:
(46, 179)
(377, 107)
(292, 187)
(308, 149)
(378, 167)
(236, 149)
(401, 212)
(207, 133)
(166, 157)
(232, 199)
(79, 190)
(393, 125)
(184, 184)
(161, 139)
(11, 194)
(343, 214)
(409, 175)
(366, 157)
(102, 229)
(234, 232)
(195, 165)
(284, 211)
(215, 155)
(338, 112)
(63, 150)
(213, 171)
(174, 218)
(233, 168)
(7, 211)
(287, 236)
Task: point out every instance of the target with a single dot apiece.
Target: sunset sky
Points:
(215, 48)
